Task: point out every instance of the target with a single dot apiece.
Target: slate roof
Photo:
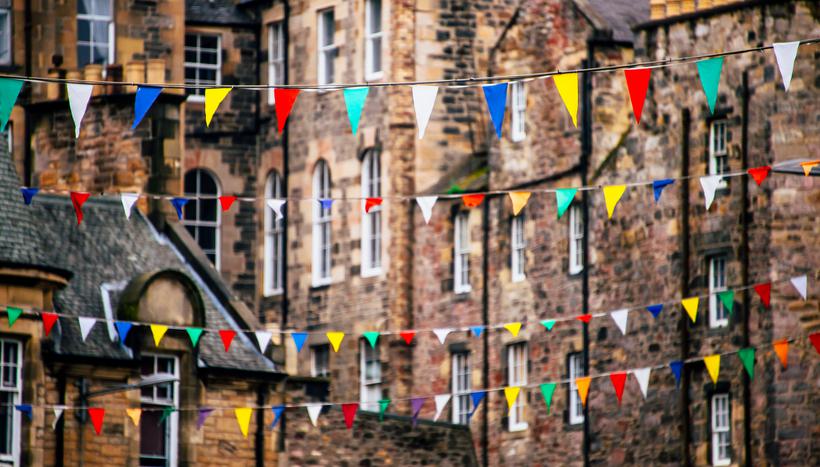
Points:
(215, 11)
(621, 16)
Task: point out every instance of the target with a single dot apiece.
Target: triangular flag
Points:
(785, 53)
(712, 363)
(326, 203)
(28, 193)
(143, 100)
(372, 337)
(97, 415)
(213, 97)
(299, 339)
(548, 323)
(815, 341)
(620, 317)
(423, 99)
(727, 298)
(511, 394)
(335, 338)
(166, 412)
(9, 90)
(764, 291)
(122, 330)
(13, 313)
(49, 319)
(676, 367)
(476, 397)
(514, 328)
(158, 331)
(202, 416)
(659, 185)
(583, 388)
(547, 390)
(691, 307)
(781, 348)
(277, 410)
(567, 84)
(227, 336)
(563, 198)
(58, 414)
(476, 330)
(441, 402)
(747, 357)
(655, 309)
(354, 100)
(179, 203)
(618, 379)
(426, 204)
(473, 200)
(276, 206)
(759, 173)
(86, 324)
(800, 283)
(285, 98)
(383, 405)
(134, 415)
(709, 72)
(808, 165)
(496, 97)
(128, 200)
(637, 82)
(314, 410)
(442, 334)
(349, 412)
(710, 183)
(77, 200)
(263, 339)
(586, 318)
(25, 409)
(243, 418)
(642, 375)
(226, 202)
(519, 200)
(194, 334)
(370, 203)
(612, 194)
(78, 97)
(407, 336)
(416, 405)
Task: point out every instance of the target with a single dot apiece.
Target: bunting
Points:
(496, 97)
(676, 367)
(213, 97)
(655, 309)
(612, 194)
(426, 204)
(785, 53)
(128, 200)
(179, 204)
(416, 404)
(349, 411)
(86, 324)
(618, 380)
(77, 201)
(13, 313)
(299, 339)
(800, 284)
(407, 336)
(28, 193)
(712, 363)
(97, 415)
(424, 97)
(372, 337)
(9, 90)
(642, 375)
(548, 390)
(370, 203)
(567, 85)
(122, 330)
(335, 338)
(691, 307)
(442, 334)
(276, 206)
(563, 198)
(759, 173)
(511, 394)
(781, 348)
(263, 339)
(582, 384)
(284, 98)
(519, 200)
(659, 185)
(202, 415)
(78, 97)
(764, 291)
(710, 184)
(727, 298)
(441, 401)
(471, 201)
(354, 101)
(548, 324)
(747, 357)
(226, 202)
(134, 415)
(58, 414)
(476, 330)
(277, 410)
(49, 319)
(475, 398)
(158, 331)
(620, 317)
(313, 410)
(243, 418)
(513, 328)
(637, 82)
(194, 334)
(383, 405)
(227, 335)
(808, 166)
(143, 100)
(709, 73)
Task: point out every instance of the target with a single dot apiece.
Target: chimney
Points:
(687, 6)
(673, 7)
(657, 9)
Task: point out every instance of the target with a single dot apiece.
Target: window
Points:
(576, 240)
(321, 225)
(575, 365)
(371, 377)
(517, 376)
(518, 245)
(320, 361)
(371, 221)
(519, 111)
(721, 430)
(462, 379)
(201, 215)
(203, 63)
(327, 48)
(11, 364)
(718, 155)
(95, 32)
(461, 279)
(158, 431)
(274, 238)
(718, 314)
(276, 56)
(373, 35)
(5, 36)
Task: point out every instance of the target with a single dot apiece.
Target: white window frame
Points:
(518, 114)
(173, 418)
(196, 196)
(276, 57)
(517, 362)
(371, 37)
(372, 228)
(461, 382)
(274, 260)
(322, 226)
(461, 253)
(325, 68)
(518, 245)
(718, 314)
(370, 387)
(16, 390)
(576, 240)
(199, 93)
(315, 368)
(575, 364)
(718, 149)
(721, 429)
(5, 19)
(92, 18)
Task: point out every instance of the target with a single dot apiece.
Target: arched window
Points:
(321, 224)
(201, 215)
(371, 221)
(274, 238)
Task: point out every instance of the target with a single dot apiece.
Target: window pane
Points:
(153, 449)
(6, 422)
(208, 42)
(208, 209)
(207, 238)
(375, 16)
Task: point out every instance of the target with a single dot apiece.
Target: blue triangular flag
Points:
(496, 97)
(476, 330)
(179, 203)
(676, 368)
(659, 185)
(655, 309)
(143, 100)
(28, 194)
(709, 72)
(278, 410)
(122, 330)
(326, 203)
(354, 100)
(299, 339)
(24, 408)
(476, 397)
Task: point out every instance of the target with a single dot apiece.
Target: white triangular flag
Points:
(642, 375)
(263, 339)
(426, 204)
(313, 412)
(276, 205)
(128, 200)
(620, 318)
(85, 325)
(58, 412)
(801, 284)
(442, 334)
(785, 53)
(441, 402)
(710, 184)
(78, 96)
(423, 99)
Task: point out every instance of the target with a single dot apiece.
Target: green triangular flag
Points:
(563, 197)
(9, 89)
(14, 313)
(194, 334)
(354, 100)
(728, 299)
(372, 337)
(383, 407)
(709, 72)
(547, 389)
(166, 412)
(548, 323)
(747, 356)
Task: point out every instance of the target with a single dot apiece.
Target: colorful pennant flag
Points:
(710, 184)
(49, 319)
(194, 334)
(166, 412)
(13, 313)
(747, 357)
(276, 206)
(563, 198)
(28, 193)
(513, 328)
(583, 388)
(86, 324)
(97, 415)
(383, 405)
(226, 202)
(676, 367)
(511, 394)
(764, 291)
(416, 405)
(472, 200)
(143, 100)
(441, 401)
(496, 97)
(781, 348)
(424, 97)
(612, 194)
(354, 100)
(299, 339)
(202, 416)
(476, 397)
(618, 380)
(476, 330)
(808, 165)
(134, 415)
(227, 335)
(712, 363)
(370, 203)
(659, 185)
(243, 418)
(642, 375)
(214, 97)
(691, 307)
(637, 82)
(727, 298)
(158, 331)
(407, 336)
(123, 328)
(519, 200)
(800, 284)
(25, 409)
(426, 204)
(548, 324)
(655, 309)
(547, 390)
(815, 341)
(78, 97)
(586, 318)
(785, 53)
(179, 204)
(349, 412)
(372, 337)
(58, 414)
(284, 98)
(620, 317)
(325, 203)
(77, 200)
(759, 173)
(9, 90)
(263, 339)
(128, 201)
(567, 85)
(314, 409)
(277, 410)
(442, 334)
(335, 338)
(709, 72)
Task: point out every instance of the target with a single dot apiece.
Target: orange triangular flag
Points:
(473, 200)
(583, 388)
(808, 165)
(781, 348)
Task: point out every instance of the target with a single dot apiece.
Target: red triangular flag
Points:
(97, 415)
(472, 201)
(618, 381)
(79, 198)
(369, 203)
(284, 99)
(407, 336)
(637, 82)
(48, 321)
(759, 173)
(584, 318)
(765, 293)
(349, 411)
(227, 336)
(815, 340)
(226, 202)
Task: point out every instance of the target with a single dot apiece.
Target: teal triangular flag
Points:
(383, 408)
(709, 71)
(563, 198)
(747, 356)
(354, 99)
(194, 334)
(548, 323)
(166, 412)
(14, 313)
(728, 300)
(548, 389)
(9, 89)
(372, 337)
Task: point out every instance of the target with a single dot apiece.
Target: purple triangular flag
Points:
(655, 309)
(28, 194)
(203, 415)
(416, 403)
(179, 203)
(676, 368)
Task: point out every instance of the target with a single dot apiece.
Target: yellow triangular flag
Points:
(213, 97)
(335, 338)
(243, 417)
(519, 200)
(158, 330)
(567, 84)
(583, 388)
(807, 166)
(691, 307)
(712, 363)
(511, 393)
(612, 194)
(513, 328)
(134, 415)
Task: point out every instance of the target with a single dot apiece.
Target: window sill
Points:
(273, 293)
(518, 428)
(575, 272)
(371, 77)
(320, 284)
(518, 139)
(367, 273)
(517, 279)
(196, 99)
(463, 290)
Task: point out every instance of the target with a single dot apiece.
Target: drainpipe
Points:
(285, 174)
(259, 441)
(744, 267)
(59, 449)
(28, 158)
(683, 326)
(485, 320)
